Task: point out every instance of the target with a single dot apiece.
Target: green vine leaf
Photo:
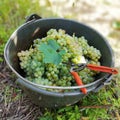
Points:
(52, 52)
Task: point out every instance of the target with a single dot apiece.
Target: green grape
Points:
(31, 61)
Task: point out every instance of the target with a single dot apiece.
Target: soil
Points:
(14, 104)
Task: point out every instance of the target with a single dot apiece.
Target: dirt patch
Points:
(14, 104)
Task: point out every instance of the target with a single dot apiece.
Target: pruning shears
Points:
(81, 66)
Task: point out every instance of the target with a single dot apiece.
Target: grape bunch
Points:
(77, 50)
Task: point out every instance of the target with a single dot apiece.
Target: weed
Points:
(65, 113)
(11, 94)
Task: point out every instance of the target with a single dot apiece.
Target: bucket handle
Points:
(32, 17)
(104, 83)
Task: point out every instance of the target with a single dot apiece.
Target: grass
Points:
(103, 105)
(12, 17)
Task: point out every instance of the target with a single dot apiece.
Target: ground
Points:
(100, 15)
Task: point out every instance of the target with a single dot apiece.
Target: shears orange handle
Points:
(79, 81)
(102, 68)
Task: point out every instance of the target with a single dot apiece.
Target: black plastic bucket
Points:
(22, 39)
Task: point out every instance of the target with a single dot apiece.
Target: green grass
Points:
(103, 105)
(11, 94)
(13, 13)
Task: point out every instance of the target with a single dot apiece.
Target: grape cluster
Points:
(31, 61)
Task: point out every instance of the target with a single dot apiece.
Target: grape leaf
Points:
(51, 55)
(53, 44)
